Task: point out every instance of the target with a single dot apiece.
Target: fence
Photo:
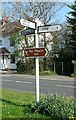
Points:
(63, 68)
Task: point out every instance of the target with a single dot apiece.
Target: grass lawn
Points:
(15, 104)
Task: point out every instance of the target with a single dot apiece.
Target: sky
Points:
(64, 12)
(61, 15)
(37, 0)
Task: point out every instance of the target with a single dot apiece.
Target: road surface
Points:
(48, 85)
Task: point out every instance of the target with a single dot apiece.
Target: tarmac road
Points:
(60, 85)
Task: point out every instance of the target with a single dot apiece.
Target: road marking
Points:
(24, 82)
(27, 82)
(66, 86)
(18, 81)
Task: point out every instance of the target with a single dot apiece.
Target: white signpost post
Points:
(37, 67)
(40, 29)
(33, 25)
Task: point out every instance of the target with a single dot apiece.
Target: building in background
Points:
(7, 59)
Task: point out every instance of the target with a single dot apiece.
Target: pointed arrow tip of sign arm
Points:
(60, 27)
(21, 21)
(46, 51)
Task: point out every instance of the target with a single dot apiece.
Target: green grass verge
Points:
(17, 104)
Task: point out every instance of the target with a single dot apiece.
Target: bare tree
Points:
(44, 11)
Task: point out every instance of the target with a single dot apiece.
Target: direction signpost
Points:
(26, 23)
(27, 32)
(37, 52)
(49, 28)
(33, 25)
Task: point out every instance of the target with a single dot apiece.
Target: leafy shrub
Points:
(73, 75)
(25, 67)
(55, 107)
(74, 62)
(21, 68)
(46, 72)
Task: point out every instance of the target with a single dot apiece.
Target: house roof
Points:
(7, 27)
(4, 51)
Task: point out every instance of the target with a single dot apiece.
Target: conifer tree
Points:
(72, 29)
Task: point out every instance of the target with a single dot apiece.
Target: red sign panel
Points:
(35, 52)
